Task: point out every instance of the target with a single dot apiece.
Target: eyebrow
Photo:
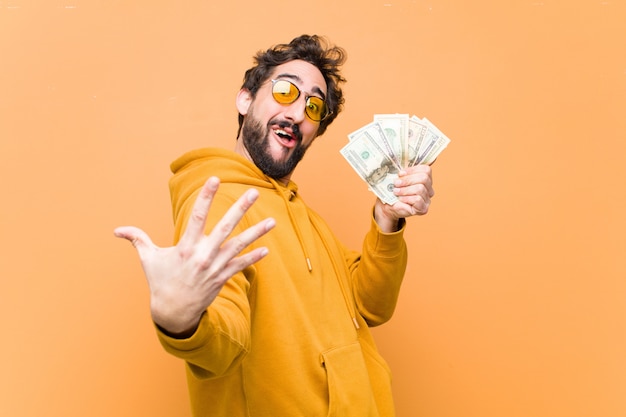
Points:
(297, 78)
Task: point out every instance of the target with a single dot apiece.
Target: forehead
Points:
(306, 75)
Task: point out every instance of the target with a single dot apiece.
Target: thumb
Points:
(139, 239)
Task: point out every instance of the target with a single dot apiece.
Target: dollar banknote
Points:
(374, 131)
(395, 128)
(391, 142)
(416, 135)
(366, 155)
(437, 143)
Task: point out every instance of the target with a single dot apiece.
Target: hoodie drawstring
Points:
(294, 223)
(349, 305)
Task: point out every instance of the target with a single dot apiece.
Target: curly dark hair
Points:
(312, 49)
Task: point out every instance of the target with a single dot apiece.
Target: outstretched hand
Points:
(185, 279)
(414, 189)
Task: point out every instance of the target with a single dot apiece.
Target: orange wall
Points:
(515, 298)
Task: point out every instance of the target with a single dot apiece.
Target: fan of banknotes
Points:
(380, 149)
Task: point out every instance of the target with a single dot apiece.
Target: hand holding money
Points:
(392, 142)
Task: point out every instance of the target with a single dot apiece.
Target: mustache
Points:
(295, 129)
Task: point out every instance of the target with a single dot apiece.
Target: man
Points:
(276, 324)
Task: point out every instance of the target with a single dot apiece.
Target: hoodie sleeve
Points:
(223, 335)
(377, 274)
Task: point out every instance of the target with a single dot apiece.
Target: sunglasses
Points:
(286, 92)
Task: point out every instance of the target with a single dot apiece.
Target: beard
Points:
(256, 140)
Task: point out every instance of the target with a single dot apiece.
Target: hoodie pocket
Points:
(349, 388)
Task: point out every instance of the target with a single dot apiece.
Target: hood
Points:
(193, 168)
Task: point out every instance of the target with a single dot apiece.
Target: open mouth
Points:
(286, 137)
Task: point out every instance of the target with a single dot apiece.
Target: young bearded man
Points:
(269, 311)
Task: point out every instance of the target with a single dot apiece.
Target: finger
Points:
(414, 203)
(428, 187)
(139, 239)
(238, 243)
(411, 191)
(235, 213)
(240, 263)
(420, 176)
(421, 206)
(415, 174)
(429, 182)
(219, 256)
(199, 212)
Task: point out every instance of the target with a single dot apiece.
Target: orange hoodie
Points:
(289, 335)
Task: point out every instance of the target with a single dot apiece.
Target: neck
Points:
(240, 149)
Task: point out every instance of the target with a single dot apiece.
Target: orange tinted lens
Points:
(315, 108)
(285, 92)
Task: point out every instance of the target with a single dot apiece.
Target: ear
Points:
(244, 99)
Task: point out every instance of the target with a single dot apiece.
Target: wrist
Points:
(387, 222)
(180, 323)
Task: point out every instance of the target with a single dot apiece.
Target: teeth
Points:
(281, 132)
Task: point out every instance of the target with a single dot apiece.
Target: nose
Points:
(295, 111)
